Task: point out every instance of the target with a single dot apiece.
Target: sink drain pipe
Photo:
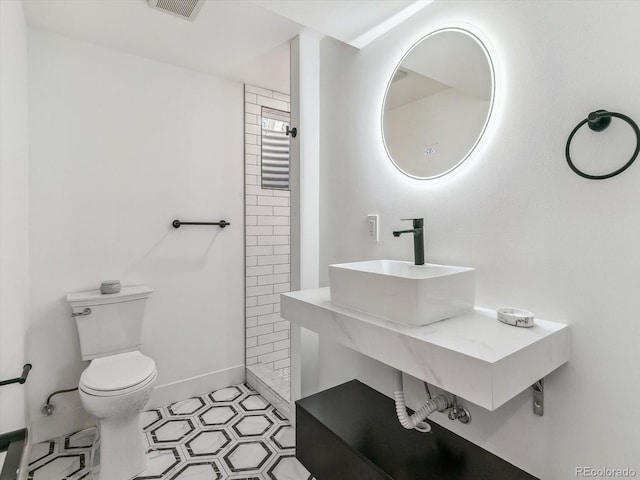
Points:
(439, 403)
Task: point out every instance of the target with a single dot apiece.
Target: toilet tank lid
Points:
(95, 297)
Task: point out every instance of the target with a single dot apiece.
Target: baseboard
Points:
(69, 420)
(163, 395)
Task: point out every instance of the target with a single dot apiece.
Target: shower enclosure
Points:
(267, 243)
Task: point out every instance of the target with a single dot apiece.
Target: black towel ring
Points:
(599, 121)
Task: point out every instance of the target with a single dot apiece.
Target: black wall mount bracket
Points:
(598, 121)
(538, 397)
(291, 131)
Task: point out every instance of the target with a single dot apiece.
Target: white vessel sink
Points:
(403, 292)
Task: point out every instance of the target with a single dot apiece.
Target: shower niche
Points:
(267, 243)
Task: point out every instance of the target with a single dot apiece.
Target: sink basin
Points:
(401, 291)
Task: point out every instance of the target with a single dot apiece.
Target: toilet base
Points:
(122, 447)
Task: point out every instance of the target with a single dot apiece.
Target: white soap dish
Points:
(515, 316)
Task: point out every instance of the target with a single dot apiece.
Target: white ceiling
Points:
(239, 39)
(354, 22)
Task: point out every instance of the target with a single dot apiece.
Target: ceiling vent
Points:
(187, 9)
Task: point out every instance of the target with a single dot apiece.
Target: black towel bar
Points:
(21, 379)
(178, 223)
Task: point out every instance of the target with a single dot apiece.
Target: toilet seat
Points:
(118, 374)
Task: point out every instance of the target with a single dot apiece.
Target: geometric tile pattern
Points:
(232, 433)
(217, 415)
(172, 430)
(252, 426)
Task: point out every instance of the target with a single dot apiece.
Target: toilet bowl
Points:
(115, 389)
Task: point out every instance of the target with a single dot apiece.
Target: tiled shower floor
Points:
(279, 381)
(232, 433)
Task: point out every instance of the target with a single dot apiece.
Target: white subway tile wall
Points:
(267, 220)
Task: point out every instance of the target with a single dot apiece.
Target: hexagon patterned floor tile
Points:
(252, 426)
(151, 417)
(284, 437)
(186, 407)
(207, 443)
(229, 434)
(161, 461)
(217, 415)
(172, 430)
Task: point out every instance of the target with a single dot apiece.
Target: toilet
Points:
(117, 384)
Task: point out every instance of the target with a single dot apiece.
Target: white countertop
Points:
(472, 355)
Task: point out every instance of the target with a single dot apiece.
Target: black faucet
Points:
(418, 238)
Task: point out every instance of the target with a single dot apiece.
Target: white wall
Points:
(121, 146)
(14, 210)
(539, 236)
(305, 201)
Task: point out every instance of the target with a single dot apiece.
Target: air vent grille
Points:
(182, 8)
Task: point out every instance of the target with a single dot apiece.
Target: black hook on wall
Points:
(291, 131)
(599, 121)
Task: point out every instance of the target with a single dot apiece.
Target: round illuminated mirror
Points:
(438, 103)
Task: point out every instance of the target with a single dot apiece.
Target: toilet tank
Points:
(109, 323)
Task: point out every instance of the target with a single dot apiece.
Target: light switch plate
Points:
(372, 227)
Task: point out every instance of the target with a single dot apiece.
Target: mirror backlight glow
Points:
(438, 103)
